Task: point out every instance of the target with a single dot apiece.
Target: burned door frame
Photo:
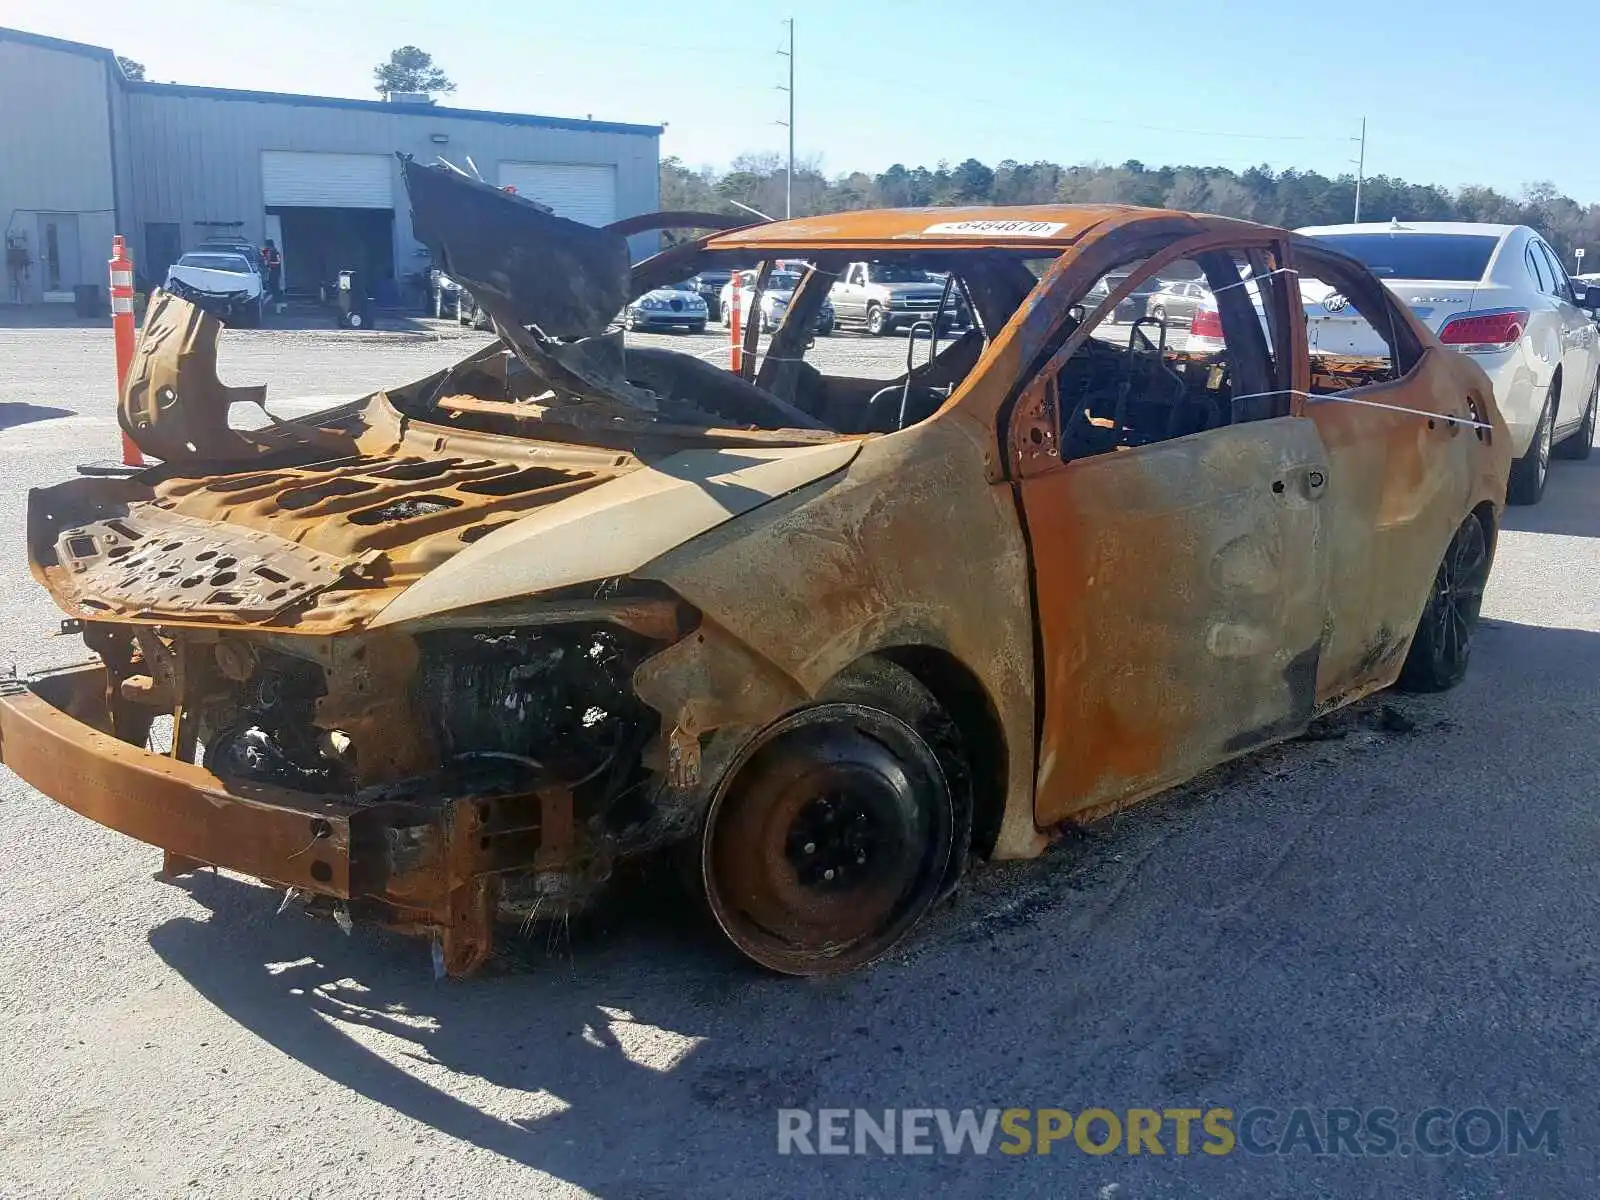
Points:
(1180, 586)
(1396, 488)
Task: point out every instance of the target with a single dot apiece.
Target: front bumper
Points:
(657, 319)
(423, 866)
(899, 318)
(223, 305)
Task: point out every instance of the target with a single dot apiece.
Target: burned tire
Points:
(1580, 445)
(1529, 473)
(840, 826)
(1442, 647)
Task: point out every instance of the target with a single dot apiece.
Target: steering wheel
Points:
(921, 402)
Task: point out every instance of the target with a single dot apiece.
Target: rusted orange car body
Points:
(351, 620)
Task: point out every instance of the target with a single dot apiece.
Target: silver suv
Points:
(883, 296)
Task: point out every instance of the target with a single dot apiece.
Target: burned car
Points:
(453, 653)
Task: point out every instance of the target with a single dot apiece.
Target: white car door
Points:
(849, 295)
(1578, 345)
(1546, 334)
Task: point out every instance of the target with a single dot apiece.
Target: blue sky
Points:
(1458, 93)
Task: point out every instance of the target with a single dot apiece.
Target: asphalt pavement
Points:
(1399, 914)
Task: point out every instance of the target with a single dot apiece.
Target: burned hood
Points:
(398, 531)
(522, 263)
(617, 528)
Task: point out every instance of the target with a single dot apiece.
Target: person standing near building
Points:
(273, 262)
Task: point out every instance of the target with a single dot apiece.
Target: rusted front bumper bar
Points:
(426, 867)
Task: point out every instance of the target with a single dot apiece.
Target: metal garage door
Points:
(580, 191)
(314, 180)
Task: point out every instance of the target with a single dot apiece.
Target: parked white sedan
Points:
(221, 282)
(1500, 294)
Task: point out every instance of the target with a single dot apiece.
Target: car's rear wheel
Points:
(877, 321)
(1442, 646)
(1580, 445)
(840, 826)
(1528, 473)
(1159, 313)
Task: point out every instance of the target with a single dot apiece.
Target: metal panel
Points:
(55, 166)
(319, 179)
(584, 192)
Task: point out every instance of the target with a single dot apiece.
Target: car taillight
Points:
(1490, 330)
(1207, 323)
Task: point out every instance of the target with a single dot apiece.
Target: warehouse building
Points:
(86, 152)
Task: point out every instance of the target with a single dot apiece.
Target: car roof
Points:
(1459, 228)
(1050, 227)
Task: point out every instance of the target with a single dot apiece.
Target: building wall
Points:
(196, 157)
(56, 158)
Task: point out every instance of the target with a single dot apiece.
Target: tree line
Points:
(1287, 198)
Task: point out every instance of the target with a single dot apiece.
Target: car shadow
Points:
(17, 413)
(1570, 505)
(1287, 930)
(556, 1019)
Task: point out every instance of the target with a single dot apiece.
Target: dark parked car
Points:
(710, 284)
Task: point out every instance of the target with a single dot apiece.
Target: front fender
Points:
(912, 546)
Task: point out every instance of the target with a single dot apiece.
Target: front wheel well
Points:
(1485, 514)
(964, 698)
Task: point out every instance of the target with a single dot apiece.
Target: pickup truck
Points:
(885, 296)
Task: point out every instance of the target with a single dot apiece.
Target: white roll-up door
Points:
(584, 192)
(299, 179)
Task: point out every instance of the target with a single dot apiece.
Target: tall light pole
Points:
(1361, 168)
(788, 178)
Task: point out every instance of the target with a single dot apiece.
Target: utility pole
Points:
(788, 178)
(1361, 168)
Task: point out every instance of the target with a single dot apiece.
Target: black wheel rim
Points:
(829, 840)
(1458, 594)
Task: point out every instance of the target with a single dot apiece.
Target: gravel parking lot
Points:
(1399, 913)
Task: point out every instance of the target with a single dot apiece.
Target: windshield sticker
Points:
(1036, 229)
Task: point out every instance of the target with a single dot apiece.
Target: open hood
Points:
(523, 264)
